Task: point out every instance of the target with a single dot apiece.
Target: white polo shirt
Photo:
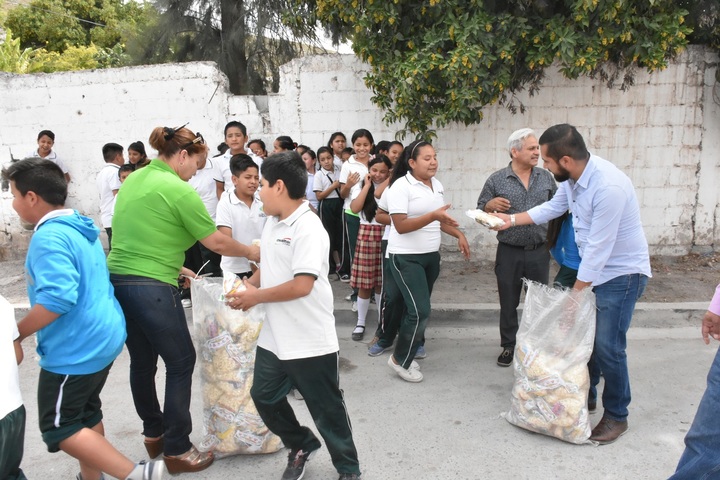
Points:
(309, 192)
(382, 204)
(413, 198)
(222, 168)
(304, 327)
(204, 183)
(355, 193)
(246, 223)
(323, 180)
(53, 157)
(11, 398)
(106, 181)
(349, 167)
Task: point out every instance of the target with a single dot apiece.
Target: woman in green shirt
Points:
(158, 216)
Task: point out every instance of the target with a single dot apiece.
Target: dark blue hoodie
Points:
(67, 274)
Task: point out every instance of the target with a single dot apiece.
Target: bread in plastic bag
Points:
(226, 341)
(485, 218)
(554, 343)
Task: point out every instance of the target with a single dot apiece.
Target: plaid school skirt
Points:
(366, 270)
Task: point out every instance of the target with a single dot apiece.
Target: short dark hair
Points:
(564, 140)
(288, 167)
(382, 146)
(46, 133)
(237, 124)
(128, 167)
(110, 151)
(241, 162)
(138, 147)
(43, 177)
(348, 150)
(259, 142)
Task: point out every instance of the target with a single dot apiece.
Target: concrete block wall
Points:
(663, 132)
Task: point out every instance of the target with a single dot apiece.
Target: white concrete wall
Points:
(664, 132)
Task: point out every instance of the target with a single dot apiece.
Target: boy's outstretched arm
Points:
(298, 287)
(38, 317)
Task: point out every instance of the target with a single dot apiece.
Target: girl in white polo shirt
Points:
(367, 265)
(419, 213)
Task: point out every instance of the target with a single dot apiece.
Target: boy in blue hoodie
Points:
(80, 326)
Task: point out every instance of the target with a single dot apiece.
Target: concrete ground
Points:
(449, 426)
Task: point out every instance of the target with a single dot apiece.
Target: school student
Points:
(352, 172)
(108, 184)
(337, 144)
(235, 137)
(79, 325)
(419, 215)
(327, 190)
(239, 214)
(367, 264)
(298, 344)
(46, 141)
(310, 160)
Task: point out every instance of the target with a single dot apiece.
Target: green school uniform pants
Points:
(317, 379)
(414, 275)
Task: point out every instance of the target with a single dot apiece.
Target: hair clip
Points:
(170, 132)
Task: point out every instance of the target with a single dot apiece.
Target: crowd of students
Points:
(369, 214)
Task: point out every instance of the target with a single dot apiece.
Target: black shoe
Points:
(297, 459)
(506, 357)
(349, 476)
(592, 405)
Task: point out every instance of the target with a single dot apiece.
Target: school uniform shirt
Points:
(53, 157)
(348, 168)
(382, 204)
(304, 327)
(106, 181)
(246, 223)
(338, 162)
(412, 197)
(222, 171)
(309, 192)
(363, 220)
(324, 178)
(204, 184)
(11, 398)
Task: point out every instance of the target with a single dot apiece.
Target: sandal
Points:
(191, 461)
(358, 333)
(154, 446)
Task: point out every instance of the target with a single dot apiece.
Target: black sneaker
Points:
(349, 476)
(297, 459)
(506, 357)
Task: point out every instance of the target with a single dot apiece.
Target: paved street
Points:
(448, 426)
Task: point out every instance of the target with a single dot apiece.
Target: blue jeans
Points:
(701, 458)
(615, 301)
(156, 326)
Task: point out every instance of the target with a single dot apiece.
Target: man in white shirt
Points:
(108, 184)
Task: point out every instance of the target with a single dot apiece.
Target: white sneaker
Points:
(353, 307)
(152, 470)
(412, 374)
(186, 303)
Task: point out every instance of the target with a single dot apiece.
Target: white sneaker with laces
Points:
(412, 374)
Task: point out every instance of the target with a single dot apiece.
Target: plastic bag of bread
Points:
(226, 341)
(485, 218)
(554, 344)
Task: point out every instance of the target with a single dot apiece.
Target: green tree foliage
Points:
(442, 61)
(78, 34)
(14, 58)
(249, 39)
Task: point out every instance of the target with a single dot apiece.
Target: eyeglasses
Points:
(198, 140)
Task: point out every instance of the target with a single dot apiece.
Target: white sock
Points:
(363, 305)
(378, 304)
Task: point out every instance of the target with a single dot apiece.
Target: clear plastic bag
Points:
(226, 341)
(554, 344)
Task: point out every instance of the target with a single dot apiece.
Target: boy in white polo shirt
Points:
(239, 215)
(298, 344)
